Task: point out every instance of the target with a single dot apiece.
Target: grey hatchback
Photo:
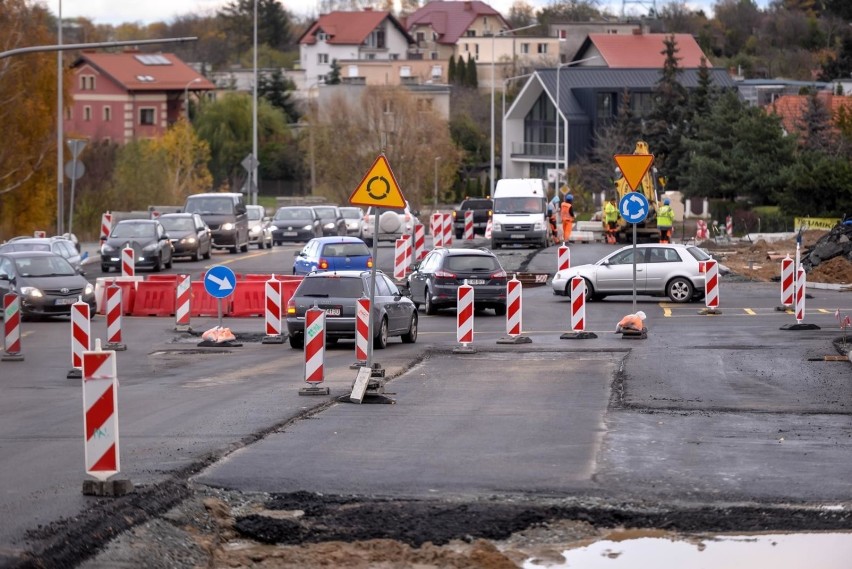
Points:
(336, 292)
(45, 282)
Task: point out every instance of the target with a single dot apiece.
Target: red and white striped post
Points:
(100, 413)
(711, 286)
(488, 229)
(578, 312)
(362, 331)
(39, 234)
(787, 282)
(419, 242)
(314, 352)
(12, 328)
(563, 258)
(729, 226)
(448, 230)
(464, 319)
(113, 316)
(128, 262)
(80, 337)
(409, 252)
(183, 303)
(514, 314)
(399, 257)
(106, 225)
(273, 312)
(436, 228)
(801, 286)
(468, 225)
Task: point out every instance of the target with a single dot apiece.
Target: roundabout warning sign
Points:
(379, 187)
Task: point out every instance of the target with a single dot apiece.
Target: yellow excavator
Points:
(645, 230)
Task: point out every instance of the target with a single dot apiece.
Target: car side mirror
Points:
(81, 272)
(164, 237)
(415, 266)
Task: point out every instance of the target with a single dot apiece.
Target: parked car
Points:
(392, 224)
(46, 283)
(189, 235)
(333, 254)
(435, 281)
(226, 215)
(260, 227)
(331, 219)
(336, 292)
(147, 238)
(354, 218)
(61, 246)
(295, 223)
(481, 208)
(661, 270)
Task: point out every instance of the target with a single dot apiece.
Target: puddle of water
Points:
(779, 551)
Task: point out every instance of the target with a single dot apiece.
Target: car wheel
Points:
(494, 244)
(158, 266)
(590, 291)
(380, 341)
(411, 336)
(235, 249)
(197, 255)
(209, 252)
(500, 310)
(430, 309)
(169, 264)
(104, 269)
(680, 290)
(244, 248)
(269, 244)
(297, 341)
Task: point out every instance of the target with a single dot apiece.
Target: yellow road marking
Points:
(25, 334)
(750, 312)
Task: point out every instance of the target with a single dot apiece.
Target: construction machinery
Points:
(645, 230)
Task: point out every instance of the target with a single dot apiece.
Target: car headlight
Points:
(273, 228)
(31, 291)
(254, 230)
(227, 226)
(308, 227)
(106, 249)
(189, 240)
(89, 289)
(328, 226)
(496, 227)
(539, 226)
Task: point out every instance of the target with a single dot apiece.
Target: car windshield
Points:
(699, 254)
(476, 204)
(332, 286)
(325, 212)
(223, 205)
(139, 230)
(350, 212)
(519, 205)
(177, 223)
(345, 250)
(463, 263)
(25, 247)
(46, 266)
(293, 213)
(255, 213)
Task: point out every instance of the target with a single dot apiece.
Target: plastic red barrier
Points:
(203, 304)
(249, 299)
(162, 278)
(154, 298)
(128, 296)
(262, 277)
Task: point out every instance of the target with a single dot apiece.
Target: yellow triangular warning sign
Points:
(633, 167)
(379, 187)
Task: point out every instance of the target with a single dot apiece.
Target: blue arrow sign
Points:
(633, 207)
(220, 281)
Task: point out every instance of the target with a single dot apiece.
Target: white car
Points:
(671, 270)
(393, 223)
(354, 218)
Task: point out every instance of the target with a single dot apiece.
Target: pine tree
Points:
(471, 79)
(451, 71)
(334, 76)
(461, 72)
(816, 133)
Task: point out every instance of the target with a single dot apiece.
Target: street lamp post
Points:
(186, 96)
(254, 185)
(435, 201)
(493, 73)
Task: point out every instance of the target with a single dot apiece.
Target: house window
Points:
(525, 48)
(146, 116)
(352, 71)
(87, 82)
(322, 58)
(605, 108)
(476, 50)
(563, 34)
(370, 56)
(434, 55)
(394, 56)
(69, 114)
(437, 71)
(470, 33)
(107, 114)
(542, 48)
(87, 113)
(539, 130)
(466, 47)
(421, 37)
(405, 71)
(376, 39)
(322, 36)
(641, 104)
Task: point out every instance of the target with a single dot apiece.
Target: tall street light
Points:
(493, 73)
(254, 186)
(557, 107)
(435, 201)
(186, 96)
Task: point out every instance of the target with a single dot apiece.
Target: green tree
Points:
(334, 76)
(273, 23)
(471, 79)
(451, 71)
(816, 132)
(141, 176)
(278, 90)
(461, 72)
(819, 185)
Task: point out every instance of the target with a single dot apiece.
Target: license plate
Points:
(65, 301)
(332, 312)
(517, 236)
(289, 234)
(475, 281)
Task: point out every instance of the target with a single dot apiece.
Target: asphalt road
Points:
(707, 409)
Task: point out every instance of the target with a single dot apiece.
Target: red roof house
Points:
(639, 50)
(791, 107)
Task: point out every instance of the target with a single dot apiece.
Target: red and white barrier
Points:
(11, 328)
(409, 252)
(80, 337)
(701, 231)
(468, 225)
(563, 258)
(464, 315)
(711, 284)
(514, 308)
(448, 230)
(183, 302)
(39, 234)
(100, 413)
(729, 226)
(128, 262)
(801, 286)
(362, 330)
(419, 242)
(399, 257)
(436, 228)
(578, 304)
(106, 225)
(488, 229)
(113, 314)
(314, 351)
(273, 310)
(787, 282)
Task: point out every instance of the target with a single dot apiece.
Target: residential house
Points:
(350, 36)
(572, 34)
(638, 50)
(763, 92)
(129, 95)
(791, 108)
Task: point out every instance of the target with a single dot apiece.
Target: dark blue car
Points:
(333, 254)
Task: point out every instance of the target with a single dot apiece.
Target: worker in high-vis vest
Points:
(665, 220)
(566, 214)
(611, 220)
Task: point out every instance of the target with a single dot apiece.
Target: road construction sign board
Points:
(633, 167)
(379, 187)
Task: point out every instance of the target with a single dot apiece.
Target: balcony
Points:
(536, 150)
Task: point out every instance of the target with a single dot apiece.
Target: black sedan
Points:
(189, 235)
(294, 223)
(147, 238)
(337, 293)
(46, 284)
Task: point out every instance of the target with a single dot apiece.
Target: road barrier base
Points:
(515, 340)
(578, 336)
(315, 391)
(107, 488)
(784, 309)
(709, 311)
(358, 364)
(464, 349)
(273, 339)
(16, 357)
(800, 326)
(225, 344)
(115, 346)
(634, 335)
(75, 373)
(183, 328)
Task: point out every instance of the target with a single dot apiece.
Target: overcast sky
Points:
(148, 11)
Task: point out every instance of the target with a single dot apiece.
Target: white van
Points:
(520, 213)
